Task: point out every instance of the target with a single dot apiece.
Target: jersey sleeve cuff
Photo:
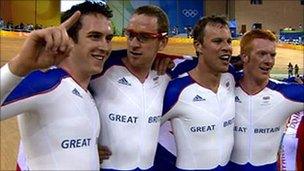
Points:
(8, 80)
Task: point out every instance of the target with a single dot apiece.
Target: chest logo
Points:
(76, 92)
(227, 84)
(237, 99)
(265, 101)
(198, 98)
(155, 79)
(124, 81)
(266, 98)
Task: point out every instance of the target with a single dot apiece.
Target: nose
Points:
(227, 47)
(133, 41)
(104, 45)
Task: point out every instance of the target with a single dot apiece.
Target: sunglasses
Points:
(142, 37)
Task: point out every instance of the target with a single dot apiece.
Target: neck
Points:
(140, 72)
(252, 86)
(81, 78)
(206, 78)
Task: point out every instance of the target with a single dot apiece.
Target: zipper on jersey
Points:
(250, 126)
(141, 127)
(220, 133)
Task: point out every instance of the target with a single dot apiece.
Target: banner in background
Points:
(181, 13)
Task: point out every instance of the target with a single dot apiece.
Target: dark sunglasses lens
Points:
(130, 34)
(144, 37)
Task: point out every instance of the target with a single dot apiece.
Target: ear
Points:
(198, 47)
(163, 43)
(244, 58)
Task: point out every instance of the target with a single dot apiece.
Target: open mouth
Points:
(135, 53)
(225, 57)
(98, 57)
(266, 69)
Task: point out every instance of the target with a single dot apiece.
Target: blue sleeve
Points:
(291, 91)
(174, 88)
(183, 67)
(237, 75)
(290, 80)
(35, 83)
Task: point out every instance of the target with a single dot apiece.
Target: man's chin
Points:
(224, 69)
(97, 70)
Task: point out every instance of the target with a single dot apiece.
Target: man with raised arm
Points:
(59, 124)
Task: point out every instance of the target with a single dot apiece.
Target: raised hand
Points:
(163, 62)
(104, 153)
(44, 48)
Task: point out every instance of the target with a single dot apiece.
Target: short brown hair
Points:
(154, 11)
(200, 26)
(254, 34)
(86, 8)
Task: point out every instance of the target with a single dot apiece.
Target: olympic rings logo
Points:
(190, 12)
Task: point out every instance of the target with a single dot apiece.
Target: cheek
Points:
(254, 60)
(82, 47)
(252, 66)
(150, 49)
(211, 50)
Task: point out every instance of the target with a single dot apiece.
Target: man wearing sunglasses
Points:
(129, 94)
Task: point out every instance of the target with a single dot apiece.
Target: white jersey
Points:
(8, 81)
(260, 121)
(130, 113)
(60, 122)
(202, 122)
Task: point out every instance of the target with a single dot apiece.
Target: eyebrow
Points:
(262, 50)
(99, 33)
(95, 32)
(221, 38)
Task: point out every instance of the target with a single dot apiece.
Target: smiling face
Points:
(260, 59)
(94, 44)
(215, 49)
(141, 54)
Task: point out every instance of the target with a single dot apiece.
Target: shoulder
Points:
(176, 85)
(292, 91)
(173, 91)
(37, 82)
(183, 65)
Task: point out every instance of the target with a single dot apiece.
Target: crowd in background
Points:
(21, 27)
(292, 35)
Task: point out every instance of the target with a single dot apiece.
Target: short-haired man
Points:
(60, 122)
(200, 103)
(263, 105)
(129, 94)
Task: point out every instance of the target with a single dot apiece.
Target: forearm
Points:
(8, 81)
(18, 67)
